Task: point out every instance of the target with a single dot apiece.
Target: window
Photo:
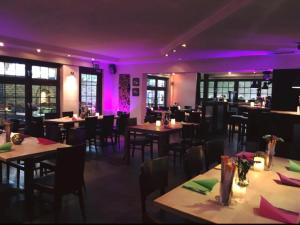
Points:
(12, 101)
(41, 72)
(12, 69)
(245, 92)
(156, 91)
(90, 89)
(211, 89)
(266, 92)
(201, 89)
(43, 100)
(223, 88)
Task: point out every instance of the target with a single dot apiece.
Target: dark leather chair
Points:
(51, 116)
(68, 114)
(67, 179)
(91, 131)
(213, 150)
(105, 129)
(193, 162)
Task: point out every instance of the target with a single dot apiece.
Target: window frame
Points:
(156, 89)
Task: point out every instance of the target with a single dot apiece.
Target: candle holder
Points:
(7, 128)
(158, 123)
(270, 152)
(173, 121)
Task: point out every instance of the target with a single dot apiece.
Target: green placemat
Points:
(201, 186)
(5, 147)
(294, 166)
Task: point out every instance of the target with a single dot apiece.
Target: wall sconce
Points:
(72, 74)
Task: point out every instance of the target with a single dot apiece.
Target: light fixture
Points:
(265, 86)
(69, 55)
(229, 73)
(1, 44)
(174, 50)
(183, 45)
(38, 50)
(93, 59)
(166, 54)
(296, 87)
(254, 84)
(173, 73)
(72, 74)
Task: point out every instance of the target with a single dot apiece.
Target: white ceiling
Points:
(143, 30)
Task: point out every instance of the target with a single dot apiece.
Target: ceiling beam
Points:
(219, 15)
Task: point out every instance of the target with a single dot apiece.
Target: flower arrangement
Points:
(272, 141)
(243, 166)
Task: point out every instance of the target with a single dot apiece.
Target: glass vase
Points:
(269, 155)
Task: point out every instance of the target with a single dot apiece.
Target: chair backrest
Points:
(213, 150)
(193, 162)
(195, 117)
(69, 170)
(121, 123)
(35, 128)
(153, 177)
(76, 136)
(69, 114)
(179, 116)
(107, 125)
(51, 116)
(188, 132)
(53, 132)
(202, 131)
(91, 126)
(132, 121)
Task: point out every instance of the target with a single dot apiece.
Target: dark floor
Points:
(112, 194)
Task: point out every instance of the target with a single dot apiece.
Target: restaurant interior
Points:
(149, 111)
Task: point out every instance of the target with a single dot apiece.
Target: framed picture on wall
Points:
(136, 81)
(135, 91)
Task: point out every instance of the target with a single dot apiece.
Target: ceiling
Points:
(144, 31)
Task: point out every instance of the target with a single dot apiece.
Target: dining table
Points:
(29, 151)
(197, 207)
(162, 132)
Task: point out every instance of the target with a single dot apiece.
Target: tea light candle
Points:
(237, 190)
(173, 121)
(246, 101)
(75, 116)
(259, 163)
(263, 104)
(158, 123)
(97, 114)
(298, 109)
(179, 107)
(252, 104)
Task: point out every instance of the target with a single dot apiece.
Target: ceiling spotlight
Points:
(1, 44)
(93, 59)
(166, 54)
(229, 73)
(173, 73)
(174, 50)
(183, 45)
(69, 55)
(265, 85)
(38, 50)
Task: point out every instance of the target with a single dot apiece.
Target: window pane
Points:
(44, 72)
(151, 82)
(52, 73)
(20, 69)
(36, 72)
(10, 69)
(161, 83)
(1, 68)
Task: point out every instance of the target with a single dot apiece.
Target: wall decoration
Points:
(136, 81)
(124, 92)
(135, 92)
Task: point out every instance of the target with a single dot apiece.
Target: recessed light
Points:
(166, 54)
(93, 59)
(69, 55)
(183, 45)
(1, 44)
(229, 73)
(38, 50)
(174, 50)
(173, 73)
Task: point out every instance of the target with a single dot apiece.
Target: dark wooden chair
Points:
(187, 137)
(213, 150)
(91, 131)
(201, 133)
(194, 117)
(67, 179)
(105, 130)
(53, 132)
(68, 114)
(153, 177)
(51, 115)
(120, 128)
(139, 141)
(179, 116)
(193, 162)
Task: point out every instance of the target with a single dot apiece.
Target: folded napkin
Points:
(266, 209)
(5, 147)
(289, 181)
(245, 155)
(45, 141)
(201, 186)
(74, 118)
(294, 166)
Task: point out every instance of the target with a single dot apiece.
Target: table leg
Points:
(163, 144)
(28, 186)
(127, 147)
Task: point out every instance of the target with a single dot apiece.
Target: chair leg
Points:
(81, 203)
(7, 173)
(143, 153)
(57, 207)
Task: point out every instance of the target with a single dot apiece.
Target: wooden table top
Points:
(198, 207)
(29, 148)
(152, 128)
(68, 120)
(293, 113)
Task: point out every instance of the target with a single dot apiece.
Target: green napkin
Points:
(294, 166)
(201, 186)
(5, 147)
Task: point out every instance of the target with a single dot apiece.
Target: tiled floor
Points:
(112, 194)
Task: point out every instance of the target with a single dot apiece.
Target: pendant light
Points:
(265, 85)
(254, 84)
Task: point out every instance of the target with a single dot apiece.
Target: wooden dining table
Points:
(28, 151)
(205, 208)
(162, 132)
